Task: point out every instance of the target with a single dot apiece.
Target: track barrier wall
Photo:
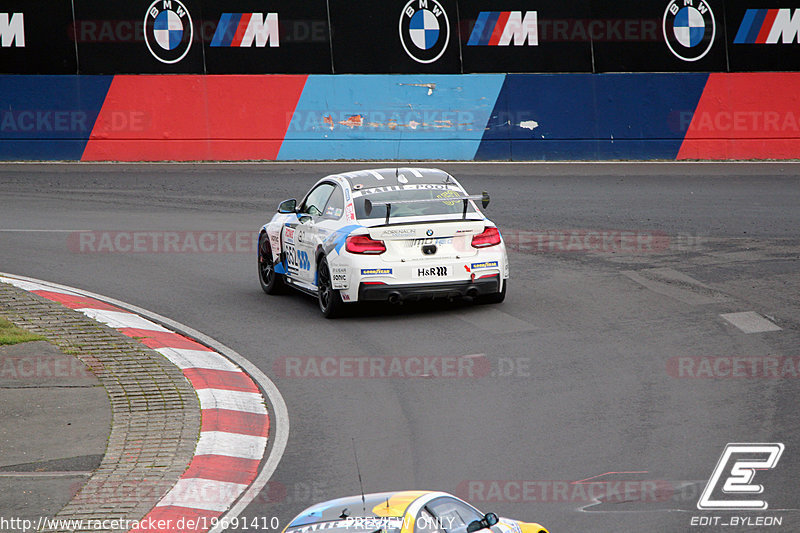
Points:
(515, 117)
(403, 79)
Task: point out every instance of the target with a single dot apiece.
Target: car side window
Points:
(335, 207)
(452, 514)
(316, 200)
(425, 522)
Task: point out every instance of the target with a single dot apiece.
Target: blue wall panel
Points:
(48, 117)
(391, 117)
(591, 116)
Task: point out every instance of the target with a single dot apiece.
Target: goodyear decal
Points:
(485, 264)
(376, 271)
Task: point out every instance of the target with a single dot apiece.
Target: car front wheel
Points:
(271, 282)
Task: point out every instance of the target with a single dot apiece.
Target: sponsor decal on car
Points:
(441, 241)
(340, 277)
(432, 272)
(376, 271)
(297, 260)
(350, 211)
(485, 264)
(288, 234)
(411, 187)
(407, 232)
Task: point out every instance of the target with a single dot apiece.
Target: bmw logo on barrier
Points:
(689, 29)
(424, 30)
(168, 30)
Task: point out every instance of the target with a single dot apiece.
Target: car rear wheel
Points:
(495, 298)
(271, 282)
(330, 301)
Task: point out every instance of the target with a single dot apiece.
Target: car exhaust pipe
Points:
(472, 292)
(394, 298)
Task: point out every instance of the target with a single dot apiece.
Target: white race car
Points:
(384, 235)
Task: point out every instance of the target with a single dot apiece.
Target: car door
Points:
(301, 235)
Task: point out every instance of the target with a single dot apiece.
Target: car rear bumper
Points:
(421, 291)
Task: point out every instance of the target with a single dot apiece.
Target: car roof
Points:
(391, 176)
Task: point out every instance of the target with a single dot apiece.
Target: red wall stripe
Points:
(746, 116)
(193, 117)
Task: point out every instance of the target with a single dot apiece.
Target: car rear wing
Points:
(483, 197)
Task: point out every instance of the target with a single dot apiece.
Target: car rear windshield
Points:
(449, 203)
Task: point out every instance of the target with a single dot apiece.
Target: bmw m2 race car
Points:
(403, 512)
(384, 235)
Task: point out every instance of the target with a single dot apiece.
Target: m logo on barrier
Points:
(12, 30)
(689, 29)
(424, 30)
(242, 29)
(168, 30)
(768, 26)
(739, 461)
(502, 28)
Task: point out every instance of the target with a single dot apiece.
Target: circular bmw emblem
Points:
(168, 30)
(424, 30)
(689, 30)
(429, 232)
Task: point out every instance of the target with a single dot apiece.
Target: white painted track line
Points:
(750, 322)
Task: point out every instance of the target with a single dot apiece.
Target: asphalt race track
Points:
(591, 377)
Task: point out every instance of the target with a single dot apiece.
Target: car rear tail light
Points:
(363, 244)
(489, 237)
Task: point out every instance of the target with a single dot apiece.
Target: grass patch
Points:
(11, 334)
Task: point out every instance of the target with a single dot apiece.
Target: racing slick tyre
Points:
(271, 282)
(495, 298)
(330, 301)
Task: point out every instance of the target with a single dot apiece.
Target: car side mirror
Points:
(288, 206)
(484, 203)
(486, 522)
